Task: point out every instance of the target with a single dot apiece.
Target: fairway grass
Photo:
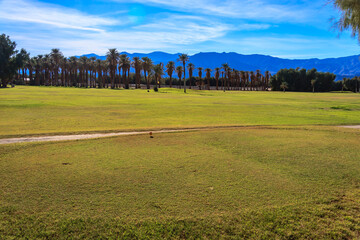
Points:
(263, 183)
(28, 110)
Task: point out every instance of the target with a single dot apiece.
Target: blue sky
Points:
(291, 29)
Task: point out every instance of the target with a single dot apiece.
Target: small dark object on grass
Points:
(148, 90)
(151, 136)
(156, 89)
(66, 163)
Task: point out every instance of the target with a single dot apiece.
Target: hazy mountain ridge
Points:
(342, 67)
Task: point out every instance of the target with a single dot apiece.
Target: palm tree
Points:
(258, 79)
(158, 72)
(200, 83)
(105, 69)
(137, 63)
(247, 80)
(99, 68)
(92, 69)
(236, 79)
(25, 59)
(125, 66)
(190, 68)
(63, 65)
(147, 65)
(225, 68)
(267, 79)
(29, 65)
(46, 66)
(56, 56)
(217, 75)
(252, 78)
(208, 75)
(184, 58)
(179, 71)
(74, 66)
(112, 56)
(83, 61)
(38, 64)
(229, 76)
(170, 67)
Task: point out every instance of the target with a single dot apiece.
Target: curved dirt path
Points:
(103, 135)
(81, 136)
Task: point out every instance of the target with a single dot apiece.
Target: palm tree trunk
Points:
(184, 78)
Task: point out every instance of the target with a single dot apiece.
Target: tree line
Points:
(54, 69)
(119, 71)
(302, 80)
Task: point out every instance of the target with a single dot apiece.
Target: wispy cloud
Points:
(241, 9)
(54, 26)
(244, 26)
(53, 15)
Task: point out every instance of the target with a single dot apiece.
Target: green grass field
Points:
(288, 179)
(45, 110)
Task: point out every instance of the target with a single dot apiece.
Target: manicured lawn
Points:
(269, 182)
(53, 110)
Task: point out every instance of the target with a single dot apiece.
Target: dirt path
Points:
(103, 135)
(353, 126)
(81, 136)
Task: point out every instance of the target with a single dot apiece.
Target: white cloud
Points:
(50, 26)
(241, 9)
(39, 27)
(53, 15)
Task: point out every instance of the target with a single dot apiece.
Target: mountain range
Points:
(342, 66)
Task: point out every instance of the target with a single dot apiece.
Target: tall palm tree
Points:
(252, 78)
(137, 63)
(258, 78)
(112, 56)
(25, 59)
(158, 72)
(29, 65)
(267, 79)
(170, 67)
(63, 65)
(208, 75)
(237, 79)
(225, 67)
(99, 69)
(229, 75)
(242, 80)
(200, 82)
(217, 75)
(46, 66)
(247, 80)
(179, 71)
(190, 68)
(74, 66)
(184, 58)
(83, 62)
(105, 70)
(147, 66)
(125, 66)
(92, 69)
(56, 57)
